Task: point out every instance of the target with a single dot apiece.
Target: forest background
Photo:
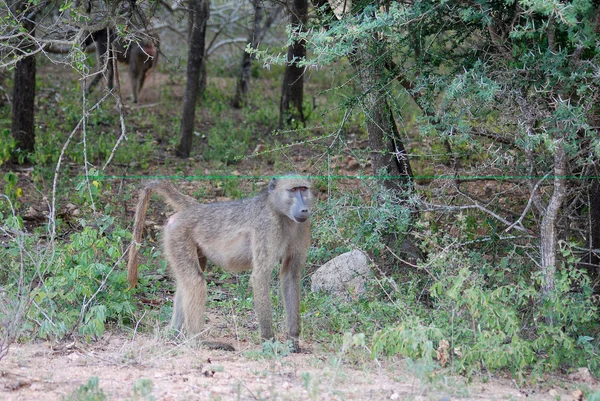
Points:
(454, 142)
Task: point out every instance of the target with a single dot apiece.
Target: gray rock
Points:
(343, 275)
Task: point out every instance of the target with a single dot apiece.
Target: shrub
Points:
(75, 286)
(368, 222)
(490, 316)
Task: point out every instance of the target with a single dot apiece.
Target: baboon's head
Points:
(290, 195)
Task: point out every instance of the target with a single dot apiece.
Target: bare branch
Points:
(529, 202)
(484, 209)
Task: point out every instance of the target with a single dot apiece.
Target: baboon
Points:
(142, 57)
(252, 233)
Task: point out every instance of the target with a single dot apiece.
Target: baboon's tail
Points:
(173, 197)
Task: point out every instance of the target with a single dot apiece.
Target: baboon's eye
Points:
(293, 189)
(303, 189)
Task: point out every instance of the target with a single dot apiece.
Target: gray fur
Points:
(247, 234)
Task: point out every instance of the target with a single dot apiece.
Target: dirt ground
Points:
(43, 371)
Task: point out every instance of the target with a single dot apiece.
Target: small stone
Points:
(32, 213)
(260, 148)
(577, 395)
(582, 375)
(353, 165)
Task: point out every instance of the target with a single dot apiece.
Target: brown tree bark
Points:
(548, 234)
(23, 95)
(594, 211)
(388, 154)
(256, 35)
(3, 91)
(292, 89)
(199, 13)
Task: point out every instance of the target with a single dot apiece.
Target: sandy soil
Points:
(182, 372)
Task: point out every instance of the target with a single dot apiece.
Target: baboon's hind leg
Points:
(188, 264)
(177, 318)
(190, 296)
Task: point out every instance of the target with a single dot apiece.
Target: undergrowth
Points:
(73, 286)
(471, 309)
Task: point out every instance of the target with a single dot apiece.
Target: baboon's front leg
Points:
(262, 266)
(289, 277)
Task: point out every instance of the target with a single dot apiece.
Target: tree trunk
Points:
(203, 80)
(241, 88)
(256, 35)
(594, 207)
(199, 12)
(3, 91)
(292, 89)
(548, 234)
(23, 96)
(388, 155)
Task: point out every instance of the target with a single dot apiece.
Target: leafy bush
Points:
(7, 145)
(76, 287)
(368, 222)
(490, 317)
(410, 339)
(472, 309)
(11, 191)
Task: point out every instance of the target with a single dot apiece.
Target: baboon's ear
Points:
(272, 184)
